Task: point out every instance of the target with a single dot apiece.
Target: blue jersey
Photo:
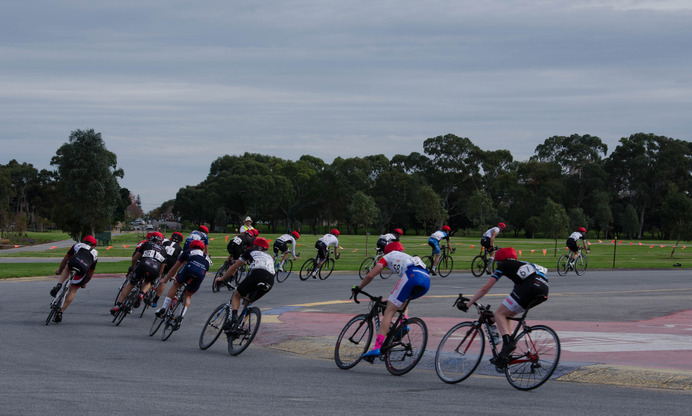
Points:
(196, 263)
(195, 235)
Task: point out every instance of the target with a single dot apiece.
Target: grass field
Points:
(629, 254)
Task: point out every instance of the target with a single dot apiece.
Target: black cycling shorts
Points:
(280, 246)
(249, 285)
(147, 269)
(572, 245)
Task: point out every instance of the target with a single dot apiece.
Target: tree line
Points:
(643, 186)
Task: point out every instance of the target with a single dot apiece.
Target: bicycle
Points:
(150, 295)
(282, 275)
(172, 316)
(323, 272)
(122, 286)
(59, 299)
(530, 365)
(446, 263)
(479, 264)
(241, 331)
(231, 282)
(128, 303)
(565, 264)
(369, 263)
(402, 348)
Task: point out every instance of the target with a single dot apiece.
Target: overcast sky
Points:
(172, 85)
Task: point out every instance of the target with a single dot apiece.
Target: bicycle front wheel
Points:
(218, 274)
(122, 286)
(307, 269)
(126, 307)
(365, 267)
(445, 266)
(214, 326)
(281, 276)
(535, 358)
(326, 269)
(354, 341)
(563, 265)
(245, 332)
(428, 260)
(407, 347)
(580, 265)
(155, 325)
(459, 352)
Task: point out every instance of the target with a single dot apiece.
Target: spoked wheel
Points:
(386, 273)
(281, 276)
(445, 266)
(580, 265)
(307, 269)
(51, 314)
(563, 265)
(478, 266)
(126, 307)
(59, 299)
(122, 286)
(155, 325)
(326, 269)
(459, 353)
(218, 274)
(244, 333)
(354, 341)
(365, 267)
(428, 260)
(535, 358)
(148, 298)
(170, 324)
(214, 326)
(407, 347)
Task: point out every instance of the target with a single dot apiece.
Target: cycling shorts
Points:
(485, 242)
(192, 277)
(234, 250)
(249, 285)
(321, 249)
(381, 244)
(415, 278)
(83, 267)
(435, 244)
(280, 246)
(147, 269)
(572, 245)
(534, 287)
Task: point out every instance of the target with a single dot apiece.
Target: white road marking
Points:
(619, 342)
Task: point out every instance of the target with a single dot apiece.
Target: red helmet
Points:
(261, 243)
(90, 240)
(177, 237)
(149, 235)
(196, 244)
(255, 232)
(581, 229)
(502, 225)
(507, 253)
(204, 229)
(393, 246)
(295, 234)
(398, 231)
(335, 232)
(157, 236)
(446, 228)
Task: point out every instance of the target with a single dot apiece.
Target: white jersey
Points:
(399, 262)
(576, 236)
(288, 239)
(491, 232)
(260, 260)
(439, 235)
(85, 246)
(330, 240)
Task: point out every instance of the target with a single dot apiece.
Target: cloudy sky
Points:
(172, 85)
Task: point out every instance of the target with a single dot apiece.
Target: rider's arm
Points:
(178, 264)
(136, 258)
(482, 291)
(63, 263)
(371, 275)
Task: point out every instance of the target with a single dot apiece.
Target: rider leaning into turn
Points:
(322, 245)
(83, 257)
(173, 250)
(281, 245)
(434, 242)
(385, 239)
(488, 242)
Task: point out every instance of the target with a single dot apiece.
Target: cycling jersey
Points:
(486, 239)
(385, 239)
(238, 244)
(322, 245)
(530, 282)
(281, 244)
(258, 259)
(196, 235)
(413, 275)
(434, 241)
(398, 262)
(172, 250)
(82, 257)
(195, 268)
(149, 267)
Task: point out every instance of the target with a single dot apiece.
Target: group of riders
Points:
(186, 261)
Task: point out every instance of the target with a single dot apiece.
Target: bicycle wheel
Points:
(563, 265)
(126, 307)
(245, 332)
(386, 273)
(428, 260)
(214, 326)
(155, 325)
(478, 266)
(459, 352)
(122, 286)
(402, 354)
(307, 269)
(580, 265)
(354, 341)
(365, 267)
(445, 266)
(535, 358)
(287, 268)
(218, 274)
(170, 325)
(326, 269)
(148, 298)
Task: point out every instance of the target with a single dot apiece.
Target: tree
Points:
(481, 210)
(363, 210)
(677, 212)
(630, 222)
(603, 215)
(429, 209)
(87, 183)
(555, 221)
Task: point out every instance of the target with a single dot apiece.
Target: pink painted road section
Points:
(661, 343)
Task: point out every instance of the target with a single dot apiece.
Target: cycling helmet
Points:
(196, 244)
(502, 225)
(295, 234)
(581, 229)
(157, 236)
(394, 246)
(446, 228)
(177, 237)
(398, 231)
(90, 240)
(261, 243)
(149, 235)
(507, 253)
(335, 232)
(255, 232)
(204, 229)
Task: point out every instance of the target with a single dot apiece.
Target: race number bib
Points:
(153, 254)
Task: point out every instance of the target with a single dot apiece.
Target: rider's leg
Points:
(69, 297)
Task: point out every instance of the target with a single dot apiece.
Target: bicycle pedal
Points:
(371, 359)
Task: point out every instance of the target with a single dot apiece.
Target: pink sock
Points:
(379, 341)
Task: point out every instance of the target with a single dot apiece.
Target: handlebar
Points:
(354, 295)
(460, 303)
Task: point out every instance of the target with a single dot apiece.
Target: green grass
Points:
(630, 254)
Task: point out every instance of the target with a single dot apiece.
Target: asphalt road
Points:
(86, 365)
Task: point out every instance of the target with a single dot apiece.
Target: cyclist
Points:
(201, 233)
(261, 271)
(413, 273)
(247, 226)
(191, 267)
(322, 245)
(82, 256)
(238, 244)
(146, 264)
(173, 250)
(388, 238)
(281, 244)
(530, 284)
(488, 242)
(573, 244)
(434, 242)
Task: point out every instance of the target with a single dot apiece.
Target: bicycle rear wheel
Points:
(218, 274)
(170, 324)
(127, 306)
(365, 267)
(445, 266)
(307, 269)
(403, 353)
(214, 326)
(287, 268)
(59, 299)
(122, 286)
(353, 341)
(563, 265)
(326, 269)
(580, 265)
(478, 266)
(535, 358)
(428, 260)
(459, 352)
(245, 332)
